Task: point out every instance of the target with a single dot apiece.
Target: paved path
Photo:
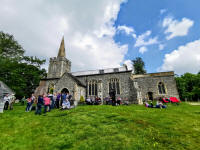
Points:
(195, 103)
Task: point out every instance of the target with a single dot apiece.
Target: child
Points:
(28, 104)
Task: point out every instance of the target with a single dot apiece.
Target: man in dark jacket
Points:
(40, 102)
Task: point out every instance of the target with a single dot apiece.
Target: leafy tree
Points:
(9, 47)
(189, 86)
(138, 65)
(21, 73)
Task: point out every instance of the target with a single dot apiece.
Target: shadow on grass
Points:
(198, 112)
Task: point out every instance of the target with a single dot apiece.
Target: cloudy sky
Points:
(108, 33)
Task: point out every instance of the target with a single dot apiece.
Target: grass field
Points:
(102, 127)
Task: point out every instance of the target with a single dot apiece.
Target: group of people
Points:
(49, 101)
(93, 101)
(113, 101)
(159, 104)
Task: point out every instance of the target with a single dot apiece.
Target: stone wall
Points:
(58, 66)
(149, 83)
(124, 80)
(69, 83)
(44, 85)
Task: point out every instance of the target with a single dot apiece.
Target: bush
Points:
(82, 99)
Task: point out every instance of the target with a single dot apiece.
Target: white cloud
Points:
(127, 30)
(88, 27)
(142, 49)
(176, 28)
(161, 46)
(185, 59)
(144, 40)
(162, 11)
(129, 64)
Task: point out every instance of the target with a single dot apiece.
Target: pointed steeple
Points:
(61, 52)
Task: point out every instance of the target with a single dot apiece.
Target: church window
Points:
(161, 88)
(95, 89)
(136, 85)
(92, 88)
(117, 87)
(114, 84)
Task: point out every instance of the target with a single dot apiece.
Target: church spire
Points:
(61, 52)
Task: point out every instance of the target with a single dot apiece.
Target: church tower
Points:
(60, 64)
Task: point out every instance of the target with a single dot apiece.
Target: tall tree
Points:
(21, 73)
(138, 66)
(189, 86)
(9, 47)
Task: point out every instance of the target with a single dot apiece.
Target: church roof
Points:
(101, 71)
(61, 52)
(76, 80)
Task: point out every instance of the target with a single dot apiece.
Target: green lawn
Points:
(102, 127)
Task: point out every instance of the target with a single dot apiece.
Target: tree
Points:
(9, 47)
(189, 86)
(21, 73)
(138, 65)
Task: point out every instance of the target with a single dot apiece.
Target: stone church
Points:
(128, 86)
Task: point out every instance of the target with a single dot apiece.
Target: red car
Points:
(171, 99)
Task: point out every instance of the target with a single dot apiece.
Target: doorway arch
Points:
(150, 95)
(65, 90)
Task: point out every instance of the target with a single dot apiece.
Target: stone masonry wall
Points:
(124, 80)
(150, 84)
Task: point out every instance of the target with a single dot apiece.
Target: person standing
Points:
(52, 101)
(6, 102)
(40, 103)
(32, 101)
(63, 97)
(28, 104)
(12, 101)
(47, 102)
(112, 95)
(58, 100)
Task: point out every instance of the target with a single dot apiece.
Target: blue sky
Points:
(108, 33)
(143, 15)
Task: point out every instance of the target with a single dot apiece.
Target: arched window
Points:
(92, 88)
(114, 84)
(161, 88)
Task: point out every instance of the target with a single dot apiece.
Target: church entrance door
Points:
(150, 95)
(65, 90)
